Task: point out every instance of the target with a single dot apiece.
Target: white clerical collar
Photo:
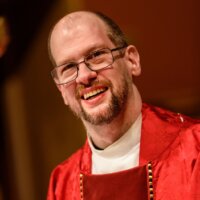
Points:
(122, 154)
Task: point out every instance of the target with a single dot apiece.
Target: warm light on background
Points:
(4, 35)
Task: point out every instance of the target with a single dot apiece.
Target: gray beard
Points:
(114, 108)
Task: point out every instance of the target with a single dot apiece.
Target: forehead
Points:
(76, 34)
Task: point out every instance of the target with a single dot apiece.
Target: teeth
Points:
(93, 93)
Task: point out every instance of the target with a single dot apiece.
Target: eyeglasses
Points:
(95, 61)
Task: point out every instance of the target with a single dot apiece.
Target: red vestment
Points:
(171, 142)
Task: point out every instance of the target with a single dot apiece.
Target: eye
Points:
(67, 67)
(97, 54)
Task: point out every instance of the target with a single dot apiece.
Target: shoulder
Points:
(190, 138)
(65, 177)
(186, 129)
(71, 164)
(64, 172)
(168, 117)
(164, 131)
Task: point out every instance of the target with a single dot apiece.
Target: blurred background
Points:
(36, 130)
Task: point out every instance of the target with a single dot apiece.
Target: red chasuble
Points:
(169, 141)
(125, 185)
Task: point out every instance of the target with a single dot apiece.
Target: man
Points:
(133, 151)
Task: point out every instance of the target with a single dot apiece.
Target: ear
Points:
(61, 89)
(133, 59)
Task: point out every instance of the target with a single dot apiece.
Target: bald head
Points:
(75, 21)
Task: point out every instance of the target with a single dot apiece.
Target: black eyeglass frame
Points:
(53, 72)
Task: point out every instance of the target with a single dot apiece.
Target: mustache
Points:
(94, 83)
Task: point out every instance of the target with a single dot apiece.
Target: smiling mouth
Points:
(93, 93)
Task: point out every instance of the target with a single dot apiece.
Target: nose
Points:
(85, 75)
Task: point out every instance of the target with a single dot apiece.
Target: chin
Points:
(98, 116)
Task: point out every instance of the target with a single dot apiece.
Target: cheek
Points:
(68, 94)
(65, 97)
(71, 101)
(121, 74)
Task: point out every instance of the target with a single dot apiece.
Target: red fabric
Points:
(123, 185)
(170, 141)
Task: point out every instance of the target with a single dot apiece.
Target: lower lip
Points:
(95, 100)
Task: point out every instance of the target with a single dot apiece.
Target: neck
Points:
(106, 134)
